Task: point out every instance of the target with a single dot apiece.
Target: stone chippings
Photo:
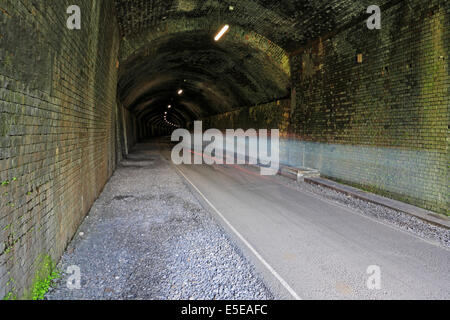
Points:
(406, 222)
(147, 237)
(60, 127)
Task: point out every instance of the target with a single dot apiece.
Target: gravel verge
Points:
(148, 237)
(438, 235)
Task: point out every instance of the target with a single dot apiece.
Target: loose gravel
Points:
(148, 237)
(404, 221)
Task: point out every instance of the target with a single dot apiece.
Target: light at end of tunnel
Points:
(180, 92)
(222, 32)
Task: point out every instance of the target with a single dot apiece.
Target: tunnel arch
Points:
(242, 69)
(136, 44)
(266, 32)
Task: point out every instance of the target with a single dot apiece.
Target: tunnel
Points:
(93, 92)
(191, 77)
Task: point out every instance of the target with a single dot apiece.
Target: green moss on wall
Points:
(45, 274)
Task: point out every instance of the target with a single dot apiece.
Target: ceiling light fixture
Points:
(222, 32)
(180, 92)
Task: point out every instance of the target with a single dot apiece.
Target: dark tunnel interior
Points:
(355, 94)
(216, 76)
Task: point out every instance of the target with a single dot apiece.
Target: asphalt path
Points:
(308, 247)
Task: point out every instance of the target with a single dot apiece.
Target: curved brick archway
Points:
(371, 106)
(141, 44)
(244, 68)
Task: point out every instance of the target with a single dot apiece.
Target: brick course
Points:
(386, 118)
(381, 123)
(396, 99)
(58, 133)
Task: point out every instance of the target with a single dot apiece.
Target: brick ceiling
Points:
(289, 23)
(217, 77)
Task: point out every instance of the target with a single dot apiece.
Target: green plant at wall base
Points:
(43, 280)
(10, 296)
(41, 287)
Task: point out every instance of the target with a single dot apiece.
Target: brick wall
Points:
(273, 115)
(396, 101)
(58, 127)
(129, 127)
(381, 124)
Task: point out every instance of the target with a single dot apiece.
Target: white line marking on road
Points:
(253, 250)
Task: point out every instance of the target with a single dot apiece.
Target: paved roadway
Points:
(307, 247)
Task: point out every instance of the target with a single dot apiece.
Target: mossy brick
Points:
(396, 99)
(40, 107)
